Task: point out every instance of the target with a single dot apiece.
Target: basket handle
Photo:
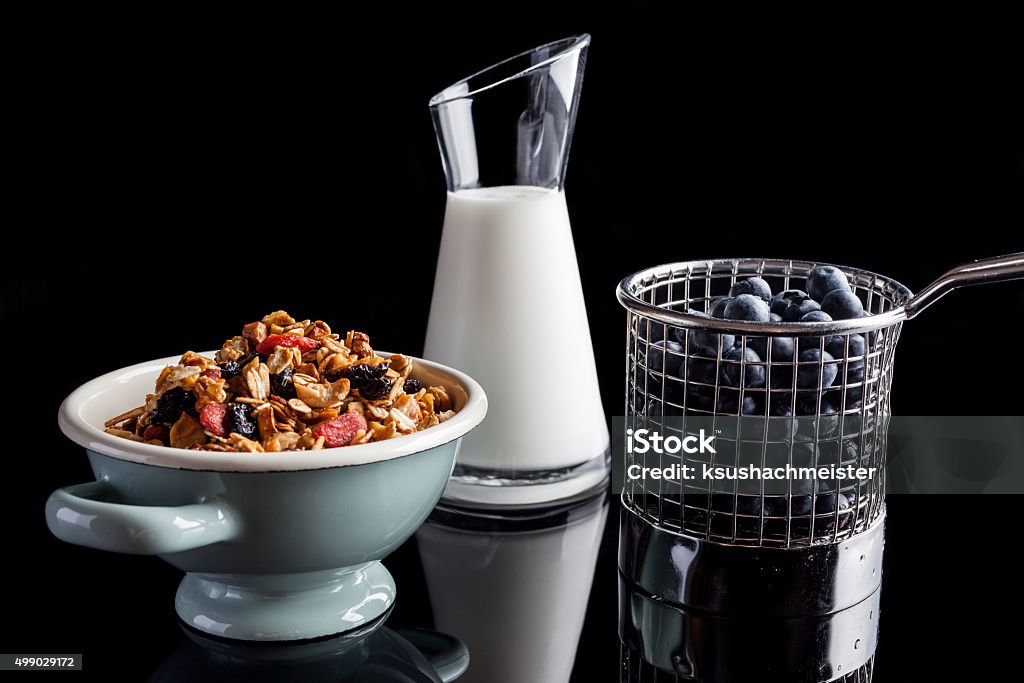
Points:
(995, 269)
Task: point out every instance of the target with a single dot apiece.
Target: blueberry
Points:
(825, 503)
(754, 374)
(659, 361)
(816, 369)
(706, 343)
(170, 406)
(842, 305)
(775, 318)
(701, 370)
(782, 348)
(874, 336)
(411, 386)
(853, 396)
(281, 383)
(780, 426)
(814, 342)
(798, 308)
(776, 506)
(816, 317)
(700, 400)
(837, 346)
(825, 279)
(747, 307)
(805, 454)
(781, 301)
(718, 307)
(800, 506)
(781, 405)
(752, 285)
(781, 375)
(806, 403)
(238, 419)
(670, 364)
(825, 414)
(729, 402)
(649, 330)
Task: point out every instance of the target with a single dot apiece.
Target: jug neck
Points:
(512, 123)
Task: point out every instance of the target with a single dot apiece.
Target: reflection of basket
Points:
(839, 404)
(633, 669)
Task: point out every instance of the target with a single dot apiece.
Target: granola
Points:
(284, 385)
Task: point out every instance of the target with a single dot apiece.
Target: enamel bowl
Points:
(275, 546)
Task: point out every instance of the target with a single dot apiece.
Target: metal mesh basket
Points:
(683, 364)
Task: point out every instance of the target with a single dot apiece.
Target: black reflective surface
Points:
(942, 594)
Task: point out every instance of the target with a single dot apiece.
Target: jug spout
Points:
(532, 96)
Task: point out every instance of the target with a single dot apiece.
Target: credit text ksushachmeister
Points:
(643, 441)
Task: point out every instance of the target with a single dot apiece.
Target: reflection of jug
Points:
(514, 589)
(508, 306)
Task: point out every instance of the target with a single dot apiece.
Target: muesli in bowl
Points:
(284, 385)
(276, 546)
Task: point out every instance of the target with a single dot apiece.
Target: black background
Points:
(174, 177)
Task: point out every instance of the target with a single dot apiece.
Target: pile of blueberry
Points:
(734, 362)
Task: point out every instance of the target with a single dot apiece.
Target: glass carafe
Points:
(508, 306)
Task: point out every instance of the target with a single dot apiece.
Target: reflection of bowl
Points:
(384, 656)
(276, 546)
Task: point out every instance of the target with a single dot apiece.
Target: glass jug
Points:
(507, 305)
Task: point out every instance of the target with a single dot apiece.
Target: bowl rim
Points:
(93, 438)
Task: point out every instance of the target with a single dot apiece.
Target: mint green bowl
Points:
(275, 546)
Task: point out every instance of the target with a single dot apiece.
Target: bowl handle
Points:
(76, 515)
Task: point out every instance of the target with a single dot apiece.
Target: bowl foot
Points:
(284, 607)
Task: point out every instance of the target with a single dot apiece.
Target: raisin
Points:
(170, 404)
(229, 369)
(411, 386)
(375, 388)
(357, 375)
(281, 384)
(239, 420)
(246, 359)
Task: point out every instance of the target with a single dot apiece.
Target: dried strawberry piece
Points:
(292, 341)
(340, 430)
(157, 432)
(212, 418)
(212, 372)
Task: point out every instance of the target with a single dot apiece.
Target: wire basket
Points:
(749, 377)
